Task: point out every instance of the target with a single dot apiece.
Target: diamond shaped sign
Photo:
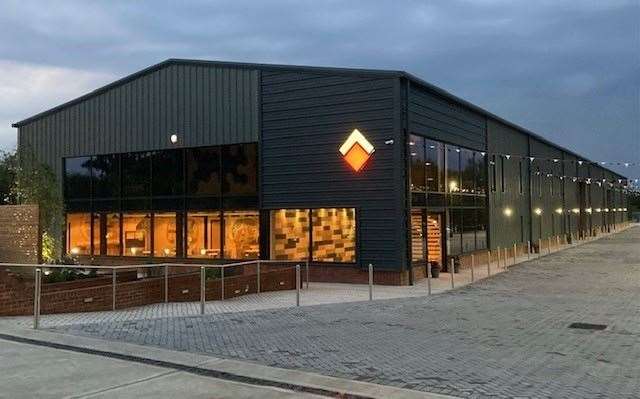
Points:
(356, 150)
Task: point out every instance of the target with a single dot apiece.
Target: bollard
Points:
(506, 256)
(297, 285)
(202, 287)
(539, 247)
(429, 278)
(258, 277)
(222, 283)
(36, 299)
(113, 288)
(515, 253)
(453, 285)
(549, 246)
(473, 264)
(528, 249)
(166, 284)
(370, 282)
(558, 242)
(488, 263)
(499, 257)
(307, 272)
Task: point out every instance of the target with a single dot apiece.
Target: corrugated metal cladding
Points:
(305, 119)
(444, 120)
(204, 105)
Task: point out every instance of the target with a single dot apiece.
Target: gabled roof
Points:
(381, 73)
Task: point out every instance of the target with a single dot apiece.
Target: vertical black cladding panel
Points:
(442, 119)
(305, 119)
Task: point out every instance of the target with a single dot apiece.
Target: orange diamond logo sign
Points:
(356, 150)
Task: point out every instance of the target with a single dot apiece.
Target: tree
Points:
(36, 183)
(8, 164)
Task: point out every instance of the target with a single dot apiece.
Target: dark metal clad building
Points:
(215, 162)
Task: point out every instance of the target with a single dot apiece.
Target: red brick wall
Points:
(20, 235)
(16, 291)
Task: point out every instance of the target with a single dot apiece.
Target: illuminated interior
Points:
(164, 234)
(112, 234)
(241, 235)
(334, 234)
(136, 234)
(290, 234)
(79, 233)
(203, 235)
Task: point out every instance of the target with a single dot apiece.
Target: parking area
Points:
(503, 337)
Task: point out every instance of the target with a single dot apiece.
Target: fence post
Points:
(222, 283)
(558, 242)
(499, 257)
(488, 263)
(113, 288)
(37, 286)
(202, 289)
(506, 258)
(549, 246)
(166, 284)
(473, 264)
(307, 272)
(539, 247)
(528, 249)
(515, 253)
(453, 285)
(297, 285)
(429, 278)
(370, 282)
(258, 276)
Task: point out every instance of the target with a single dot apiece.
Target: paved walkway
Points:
(316, 294)
(504, 337)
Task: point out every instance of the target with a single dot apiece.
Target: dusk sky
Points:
(568, 70)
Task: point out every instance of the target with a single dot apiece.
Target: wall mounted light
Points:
(559, 211)
(589, 210)
(388, 142)
(575, 210)
(173, 138)
(507, 212)
(538, 211)
(598, 210)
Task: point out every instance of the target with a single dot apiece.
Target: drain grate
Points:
(588, 326)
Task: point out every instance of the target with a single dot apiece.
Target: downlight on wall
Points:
(538, 211)
(507, 212)
(559, 211)
(173, 138)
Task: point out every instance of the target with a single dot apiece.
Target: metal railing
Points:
(46, 269)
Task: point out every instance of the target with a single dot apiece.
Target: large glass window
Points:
(112, 234)
(203, 171)
(481, 173)
(453, 169)
(136, 174)
(416, 151)
(79, 233)
(454, 232)
(467, 171)
(334, 234)
(167, 173)
(418, 242)
(136, 234)
(106, 176)
(434, 163)
(77, 177)
(290, 234)
(241, 235)
(468, 230)
(239, 168)
(164, 234)
(204, 235)
(96, 233)
(481, 229)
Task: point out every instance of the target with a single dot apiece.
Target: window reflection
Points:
(136, 171)
(106, 175)
(334, 234)
(77, 181)
(290, 234)
(203, 171)
(167, 173)
(467, 171)
(241, 233)
(164, 234)
(79, 233)
(203, 235)
(239, 167)
(416, 152)
(112, 234)
(136, 233)
(434, 163)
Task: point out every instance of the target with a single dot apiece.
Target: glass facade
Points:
(455, 180)
(194, 202)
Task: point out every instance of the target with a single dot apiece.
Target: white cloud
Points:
(27, 89)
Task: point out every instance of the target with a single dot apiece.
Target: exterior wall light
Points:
(174, 138)
(453, 186)
(589, 210)
(575, 210)
(507, 212)
(559, 211)
(598, 210)
(606, 209)
(624, 209)
(538, 211)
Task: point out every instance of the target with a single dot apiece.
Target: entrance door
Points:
(435, 238)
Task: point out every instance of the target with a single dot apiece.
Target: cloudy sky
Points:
(569, 70)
